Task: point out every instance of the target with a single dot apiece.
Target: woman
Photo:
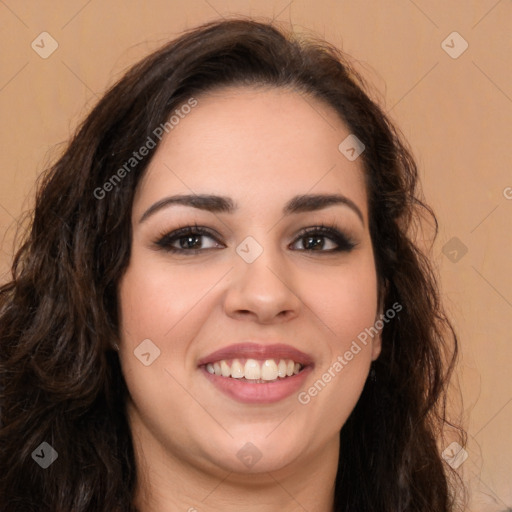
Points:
(219, 305)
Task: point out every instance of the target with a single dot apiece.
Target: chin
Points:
(254, 450)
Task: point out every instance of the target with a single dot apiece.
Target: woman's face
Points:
(253, 292)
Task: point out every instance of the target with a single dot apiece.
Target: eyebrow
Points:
(222, 204)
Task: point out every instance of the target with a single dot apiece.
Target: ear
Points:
(377, 340)
(376, 345)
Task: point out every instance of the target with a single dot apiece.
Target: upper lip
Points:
(256, 351)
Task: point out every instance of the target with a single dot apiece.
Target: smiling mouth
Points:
(255, 371)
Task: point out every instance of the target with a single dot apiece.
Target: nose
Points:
(264, 291)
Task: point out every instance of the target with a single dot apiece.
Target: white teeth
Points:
(255, 370)
(281, 369)
(225, 369)
(252, 370)
(269, 370)
(237, 370)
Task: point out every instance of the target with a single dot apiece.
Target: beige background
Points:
(456, 113)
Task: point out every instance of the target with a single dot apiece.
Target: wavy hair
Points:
(61, 379)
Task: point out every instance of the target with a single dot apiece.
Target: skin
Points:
(260, 147)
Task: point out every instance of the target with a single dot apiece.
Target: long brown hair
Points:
(61, 379)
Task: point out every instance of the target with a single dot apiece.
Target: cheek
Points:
(156, 298)
(160, 303)
(345, 302)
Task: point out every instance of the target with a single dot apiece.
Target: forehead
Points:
(258, 146)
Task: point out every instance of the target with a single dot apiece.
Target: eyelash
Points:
(344, 242)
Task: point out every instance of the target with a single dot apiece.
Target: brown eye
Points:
(314, 240)
(190, 240)
(187, 240)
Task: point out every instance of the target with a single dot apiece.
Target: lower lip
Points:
(254, 393)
